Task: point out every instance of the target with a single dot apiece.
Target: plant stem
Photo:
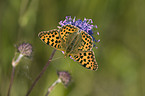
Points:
(11, 82)
(41, 73)
(52, 86)
(15, 62)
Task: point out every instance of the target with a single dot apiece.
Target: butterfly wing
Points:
(87, 42)
(51, 38)
(66, 30)
(86, 59)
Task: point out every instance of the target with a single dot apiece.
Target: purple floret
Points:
(85, 25)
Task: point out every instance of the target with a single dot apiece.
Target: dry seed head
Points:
(65, 77)
(25, 49)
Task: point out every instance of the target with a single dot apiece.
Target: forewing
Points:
(51, 38)
(86, 59)
(66, 30)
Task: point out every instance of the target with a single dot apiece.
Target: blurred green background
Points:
(120, 53)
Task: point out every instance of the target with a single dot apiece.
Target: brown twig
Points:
(11, 82)
(41, 73)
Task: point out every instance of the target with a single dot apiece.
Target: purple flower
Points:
(85, 25)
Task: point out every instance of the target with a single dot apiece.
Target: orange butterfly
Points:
(74, 42)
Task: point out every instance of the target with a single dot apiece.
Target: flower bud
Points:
(65, 77)
(25, 49)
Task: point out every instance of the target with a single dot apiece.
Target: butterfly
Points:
(74, 42)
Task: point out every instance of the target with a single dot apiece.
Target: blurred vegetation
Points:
(120, 53)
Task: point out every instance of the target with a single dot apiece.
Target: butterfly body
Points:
(73, 42)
